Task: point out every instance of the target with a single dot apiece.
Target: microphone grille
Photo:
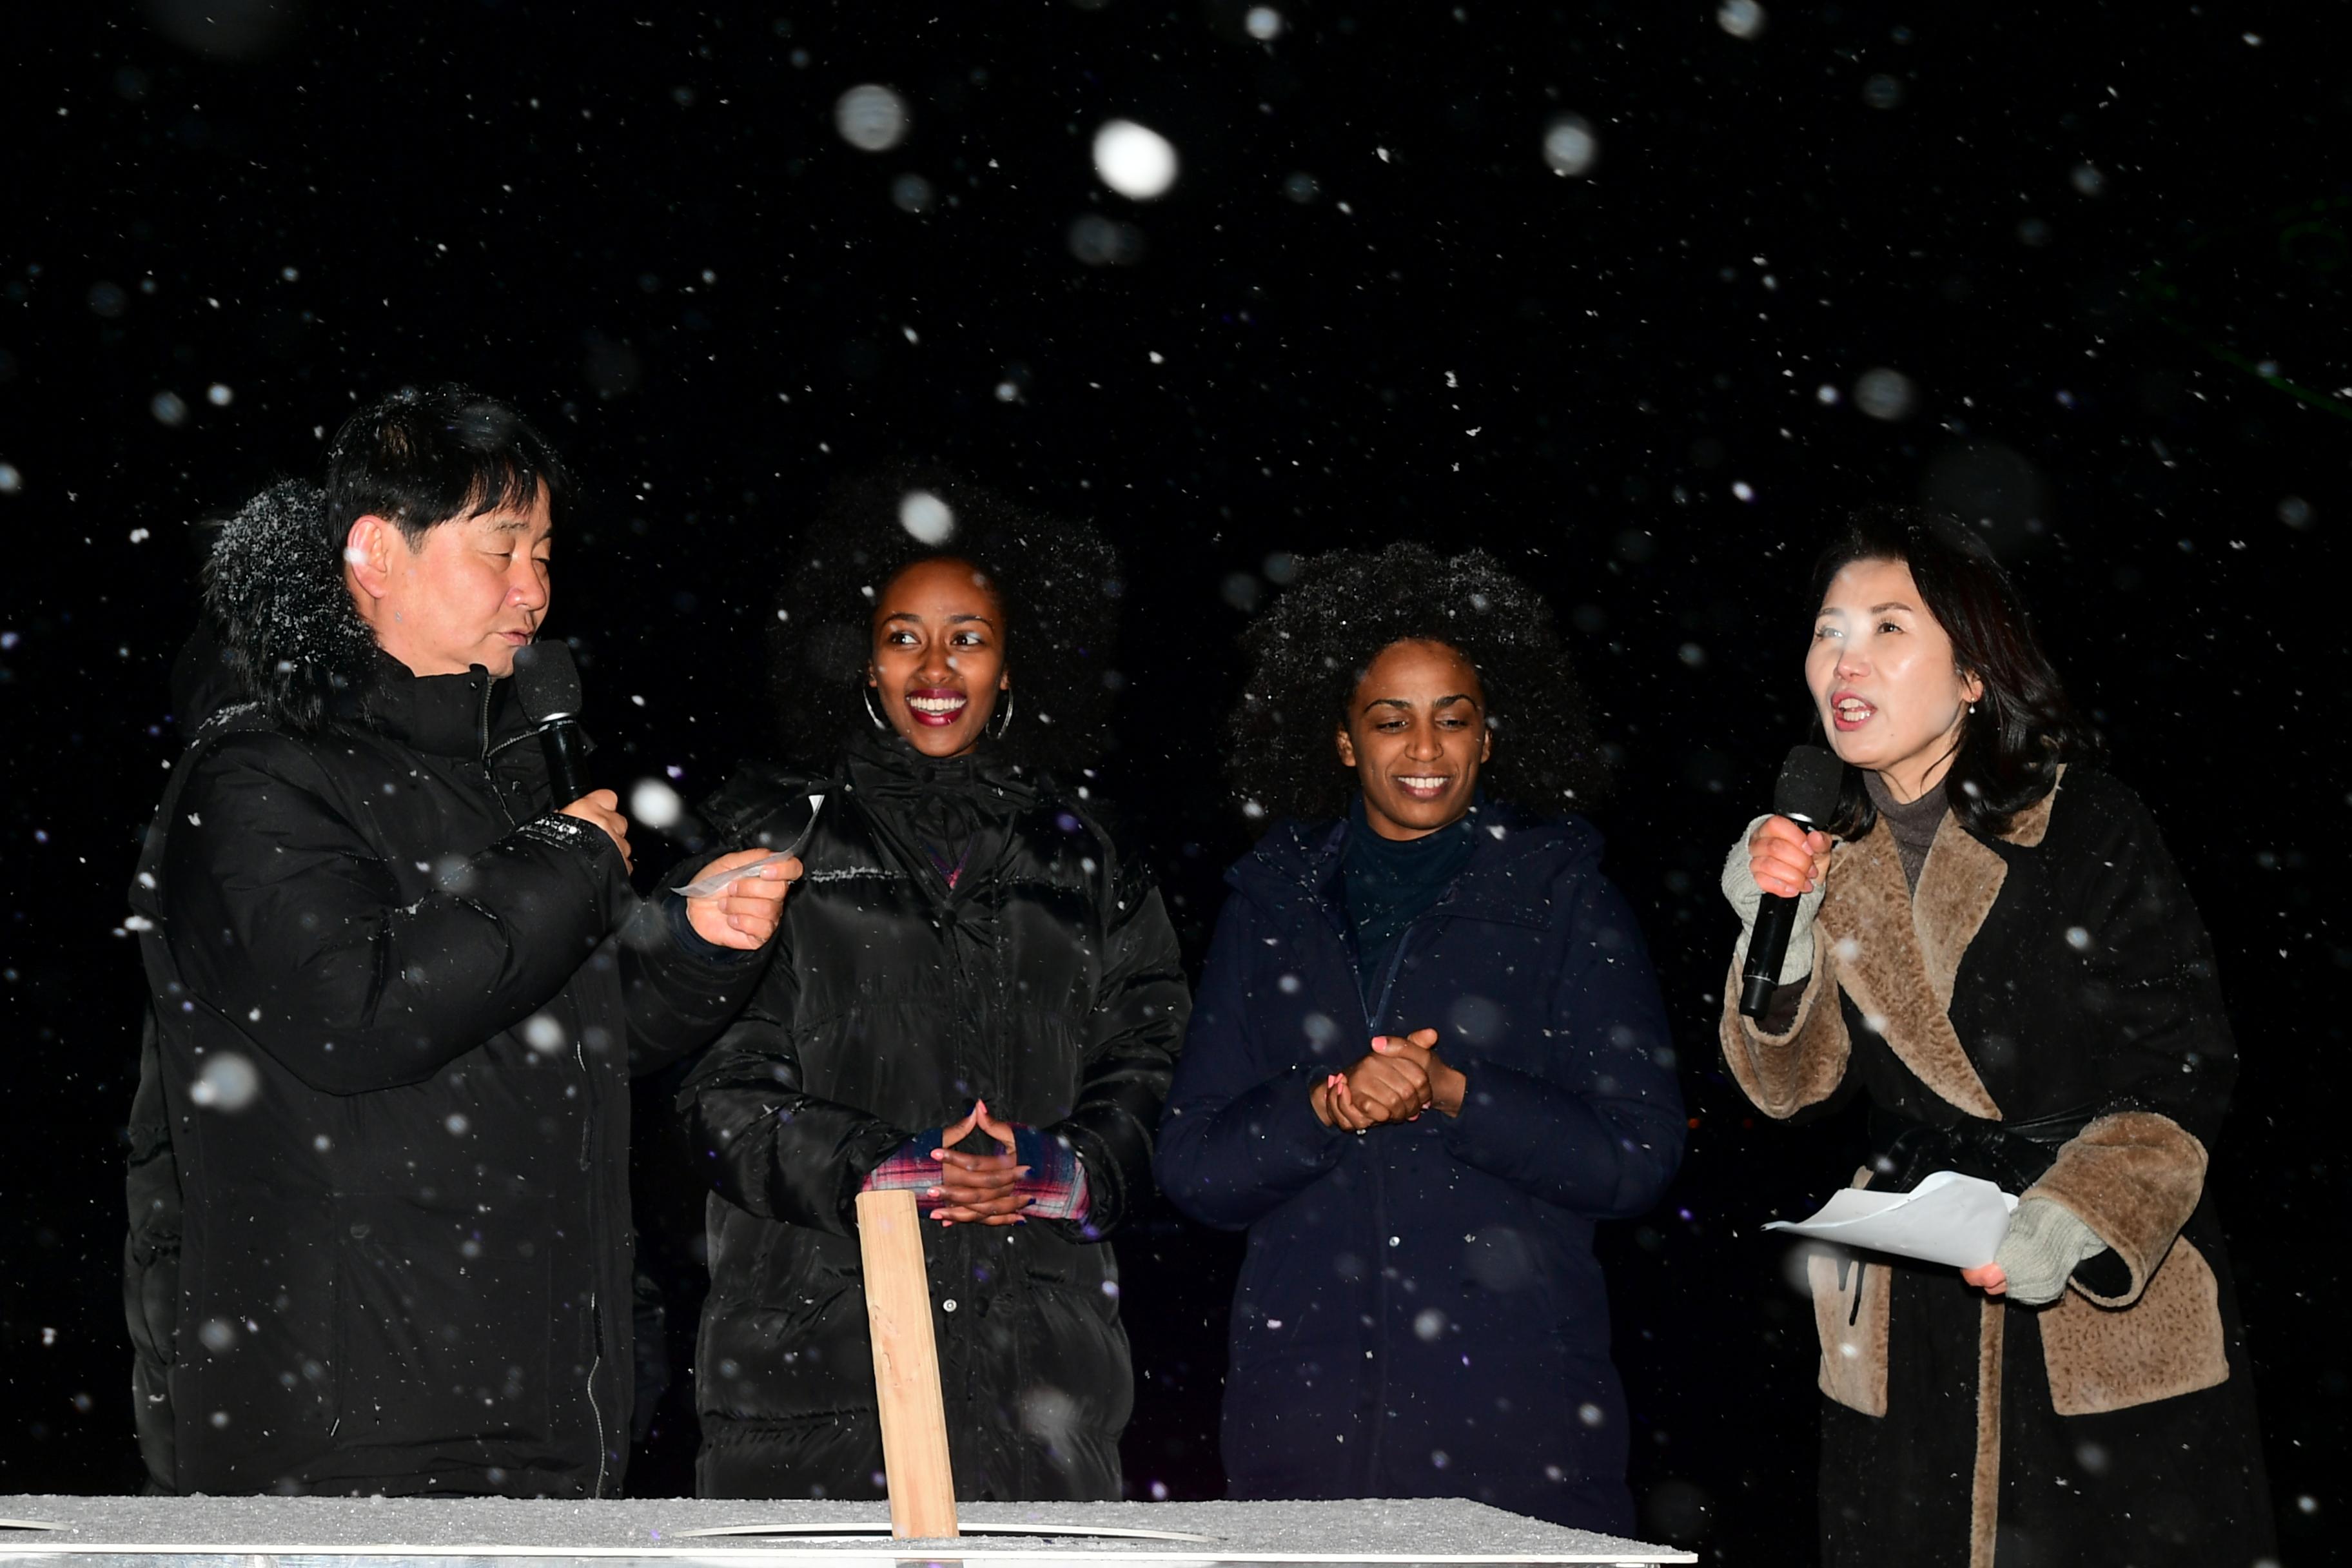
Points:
(1809, 782)
(547, 681)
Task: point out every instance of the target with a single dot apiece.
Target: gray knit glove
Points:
(1747, 897)
(2044, 1246)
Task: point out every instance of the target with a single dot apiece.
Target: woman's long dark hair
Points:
(2014, 737)
(1058, 582)
(1309, 649)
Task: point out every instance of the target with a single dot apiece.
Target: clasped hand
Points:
(1400, 1078)
(978, 1189)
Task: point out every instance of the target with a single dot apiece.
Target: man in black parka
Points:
(396, 998)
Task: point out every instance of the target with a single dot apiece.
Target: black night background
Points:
(1637, 295)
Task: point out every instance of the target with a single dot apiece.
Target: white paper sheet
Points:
(720, 883)
(1947, 1218)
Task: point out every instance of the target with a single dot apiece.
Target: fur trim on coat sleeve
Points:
(1782, 1074)
(2168, 1343)
(2134, 1178)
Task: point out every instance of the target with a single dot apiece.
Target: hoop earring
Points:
(865, 695)
(1003, 720)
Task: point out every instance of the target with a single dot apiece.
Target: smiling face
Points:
(470, 591)
(1416, 734)
(937, 655)
(1884, 678)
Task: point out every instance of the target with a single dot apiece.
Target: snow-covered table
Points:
(290, 1532)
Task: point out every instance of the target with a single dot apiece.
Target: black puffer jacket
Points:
(392, 1042)
(1048, 983)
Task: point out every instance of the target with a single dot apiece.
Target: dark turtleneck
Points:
(1392, 882)
(1913, 824)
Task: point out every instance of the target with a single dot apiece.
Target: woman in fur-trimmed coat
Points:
(1998, 953)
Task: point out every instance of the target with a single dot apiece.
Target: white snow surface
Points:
(1418, 1529)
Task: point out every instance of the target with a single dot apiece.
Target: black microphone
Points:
(1807, 795)
(548, 684)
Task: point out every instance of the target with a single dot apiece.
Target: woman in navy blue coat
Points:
(1426, 1056)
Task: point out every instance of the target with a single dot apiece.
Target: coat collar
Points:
(467, 716)
(888, 767)
(1507, 878)
(1899, 951)
(2027, 828)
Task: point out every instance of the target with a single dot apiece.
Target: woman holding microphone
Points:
(1429, 1055)
(1994, 947)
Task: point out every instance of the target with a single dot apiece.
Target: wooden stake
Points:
(906, 1367)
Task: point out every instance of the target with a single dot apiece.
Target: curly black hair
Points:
(1310, 648)
(1058, 581)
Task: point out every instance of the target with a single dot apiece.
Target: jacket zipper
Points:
(1373, 1016)
(489, 777)
(1380, 1234)
(1388, 979)
(484, 726)
(588, 1123)
(1380, 1325)
(596, 1364)
(595, 1237)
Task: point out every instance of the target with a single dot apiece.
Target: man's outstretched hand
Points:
(745, 913)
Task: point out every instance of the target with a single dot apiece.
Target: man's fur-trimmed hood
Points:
(276, 601)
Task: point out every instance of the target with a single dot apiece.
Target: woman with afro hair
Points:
(1427, 1056)
(975, 997)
